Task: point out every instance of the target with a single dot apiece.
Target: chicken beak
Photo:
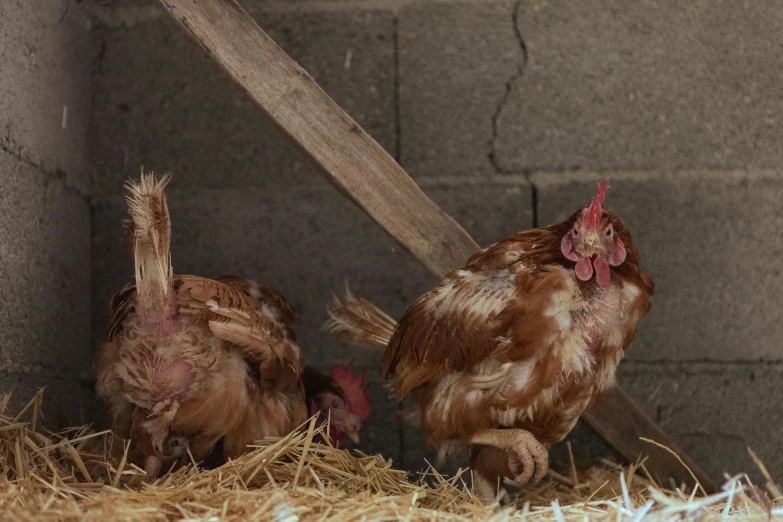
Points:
(347, 422)
(590, 245)
(354, 436)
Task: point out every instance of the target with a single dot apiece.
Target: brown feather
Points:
(150, 227)
(121, 307)
(357, 321)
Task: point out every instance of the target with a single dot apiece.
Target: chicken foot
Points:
(528, 459)
(489, 470)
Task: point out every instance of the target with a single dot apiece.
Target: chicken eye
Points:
(575, 232)
(609, 232)
(334, 404)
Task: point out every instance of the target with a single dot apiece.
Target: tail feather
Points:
(148, 230)
(355, 320)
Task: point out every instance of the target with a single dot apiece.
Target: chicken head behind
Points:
(341, 398)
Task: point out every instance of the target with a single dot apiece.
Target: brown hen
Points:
(505, 354)
(191, 360)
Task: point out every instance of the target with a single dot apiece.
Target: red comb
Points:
(357, 394)
(596, 208)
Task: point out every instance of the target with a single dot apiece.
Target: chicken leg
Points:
(527, 457)
(489, 468)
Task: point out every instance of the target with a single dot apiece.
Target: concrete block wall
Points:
(45, 262)
(506, 113)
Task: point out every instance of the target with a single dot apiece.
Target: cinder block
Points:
(162, 103)
(305, 245)
(45, 88)
(715, 411)
(711, 242)
(44, 274)
(67, 401)
(489, 209)
(455, 59)
(648, 85)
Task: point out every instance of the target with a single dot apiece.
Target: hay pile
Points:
(71, 476)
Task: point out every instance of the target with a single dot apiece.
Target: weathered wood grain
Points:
(622, 423)
(348, 156)
(364, 172)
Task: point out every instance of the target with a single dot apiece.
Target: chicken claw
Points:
(528, 459)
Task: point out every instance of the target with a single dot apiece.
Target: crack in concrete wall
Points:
(510, 83)
(7, 144)
(509, 87)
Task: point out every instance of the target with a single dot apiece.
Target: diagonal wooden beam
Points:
(351, 159)
(355, 163)
(620, 421)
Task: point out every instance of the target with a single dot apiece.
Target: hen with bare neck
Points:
(190, 360)
(505, 354)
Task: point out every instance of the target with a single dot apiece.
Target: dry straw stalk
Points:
(73, 475)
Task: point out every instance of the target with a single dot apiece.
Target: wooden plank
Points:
(364, 172)
(348, 156)
(622, 423)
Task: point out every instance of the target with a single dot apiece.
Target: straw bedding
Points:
(73, 475)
